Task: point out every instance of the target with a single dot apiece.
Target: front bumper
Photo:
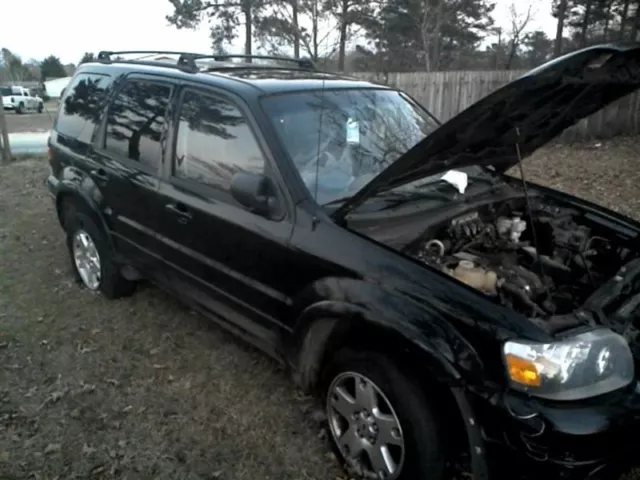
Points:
(52, 184)
(533, 439)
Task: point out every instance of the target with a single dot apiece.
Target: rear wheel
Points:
(92, 258)
(20, 108)
(381, 425)
(40, 107)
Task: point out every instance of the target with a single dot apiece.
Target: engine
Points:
(545, 268)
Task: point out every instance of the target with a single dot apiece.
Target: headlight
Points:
(582, 366)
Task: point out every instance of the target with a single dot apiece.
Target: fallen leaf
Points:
(87, 450)
(52, 448)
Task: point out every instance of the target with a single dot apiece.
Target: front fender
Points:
(336, 306)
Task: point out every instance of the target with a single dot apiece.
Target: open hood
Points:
(528, 112)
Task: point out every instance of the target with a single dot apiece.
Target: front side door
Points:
(232, 258)
(127, 158)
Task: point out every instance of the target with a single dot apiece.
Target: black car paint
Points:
(301, 284)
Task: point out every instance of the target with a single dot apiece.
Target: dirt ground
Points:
(142, 388)
(32, 122)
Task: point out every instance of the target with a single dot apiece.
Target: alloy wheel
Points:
(365, 427)
(87, 260)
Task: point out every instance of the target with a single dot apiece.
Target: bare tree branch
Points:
(519, 23)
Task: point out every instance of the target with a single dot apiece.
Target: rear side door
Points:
(232, 259)
(126, 161)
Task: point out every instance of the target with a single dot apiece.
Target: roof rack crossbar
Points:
(187, 61)
(300, 62)
(184, 61)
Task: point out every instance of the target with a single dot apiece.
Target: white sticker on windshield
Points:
(456, 178)
(353, 132)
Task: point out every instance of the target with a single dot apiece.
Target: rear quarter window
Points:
(82, 105)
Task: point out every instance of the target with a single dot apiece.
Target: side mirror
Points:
(254, 191)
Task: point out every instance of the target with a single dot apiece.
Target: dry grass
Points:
(143, 389)
(139, 388)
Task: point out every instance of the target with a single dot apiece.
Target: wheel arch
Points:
(70, 197)
(327, 327)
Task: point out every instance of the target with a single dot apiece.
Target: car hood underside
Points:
(518, 118)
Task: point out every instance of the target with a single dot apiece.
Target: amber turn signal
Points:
(522, 371)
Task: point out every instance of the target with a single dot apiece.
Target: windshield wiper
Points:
(399, 197)
(482, 178)
(395, 198)
(473, 178)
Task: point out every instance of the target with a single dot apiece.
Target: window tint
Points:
(135, 122)
(5, 91)
(339, 140)
(214, 142)
(82, 106)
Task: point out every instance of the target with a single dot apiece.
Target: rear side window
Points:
(214, 141)
(82, 106)
(135, 122)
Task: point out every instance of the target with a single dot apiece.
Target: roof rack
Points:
(187, 61)
(304, 63)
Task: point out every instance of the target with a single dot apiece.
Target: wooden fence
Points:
(447, 93)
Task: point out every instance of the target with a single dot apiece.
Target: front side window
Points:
(136, 122)
(81, 109)
(214, 141)
(340, 139)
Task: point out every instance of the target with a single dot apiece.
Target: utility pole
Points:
(5, 147)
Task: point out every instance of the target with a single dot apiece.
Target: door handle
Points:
(180, 210)
(100, 175)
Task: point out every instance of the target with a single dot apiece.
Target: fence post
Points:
(5, 146)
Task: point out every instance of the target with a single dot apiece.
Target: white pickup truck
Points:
(21, 100)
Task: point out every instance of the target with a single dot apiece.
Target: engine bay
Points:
(548, 262)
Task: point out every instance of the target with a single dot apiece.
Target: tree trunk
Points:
(607, 22)
(437, 35)
(248, 19)
(623, 19)
(314, 28)
(496, 59)
(562, 11)
(585, 25)
(342, 51)
(296, 29)
(635, 23)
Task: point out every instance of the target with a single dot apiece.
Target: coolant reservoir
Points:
(476, 277)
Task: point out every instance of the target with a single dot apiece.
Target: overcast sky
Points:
(141, 25)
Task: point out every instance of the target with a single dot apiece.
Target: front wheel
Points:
(20, 108)
(40, 108)
(381, 424)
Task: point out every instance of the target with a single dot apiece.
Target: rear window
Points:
(82, 105)
(5, 92)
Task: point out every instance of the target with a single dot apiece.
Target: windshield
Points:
(346, 137)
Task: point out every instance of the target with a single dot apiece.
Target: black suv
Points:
(440, 309)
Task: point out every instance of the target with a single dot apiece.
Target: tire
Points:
(40, 108)
(422, 452)
(109, 282)
(20, 109)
